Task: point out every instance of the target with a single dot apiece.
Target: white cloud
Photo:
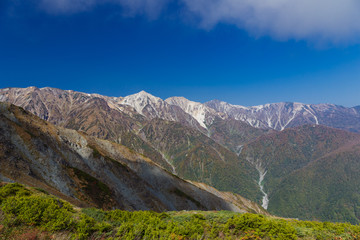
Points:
(334, 21)
(315, 20)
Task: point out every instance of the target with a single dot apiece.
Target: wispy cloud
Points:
(319, 20)
(66, 6)
(151, 8)
(331, 21)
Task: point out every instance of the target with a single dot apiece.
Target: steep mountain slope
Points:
(196, 157)
(139, 122)
(305, 167)
(153, 107)
(91, 171)
(55, 104)
(234, 133)
(327, 189)
(203, 114)
(99, 116)
(229, 132)
(97, 119)
(50, 104)
(39, 215)
(283, 115)
(170, 144)
(111, 118)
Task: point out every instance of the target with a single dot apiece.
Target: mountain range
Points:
(297, 160)
(88, 171)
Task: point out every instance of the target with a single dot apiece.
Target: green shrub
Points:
(260, 226)
(103, 227)
(20, 206)
(47, 212)
(85, 226)
(13, 189)
(98, 214)
(41, 190)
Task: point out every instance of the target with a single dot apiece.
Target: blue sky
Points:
(202, 50)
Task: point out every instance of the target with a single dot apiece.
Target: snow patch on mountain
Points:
(239, 149)
(48, 102)
(140, 100)
(278, 116)
(262, 173)
(316, 119)
(203, 114)
(195, 109)
(289, 121)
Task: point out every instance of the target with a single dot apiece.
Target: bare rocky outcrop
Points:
(92, 172)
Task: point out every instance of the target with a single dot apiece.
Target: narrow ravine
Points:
(262, 173)
(239, 149)
(168, 161)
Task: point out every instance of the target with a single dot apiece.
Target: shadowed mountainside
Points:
(139, 122)
(93, 172)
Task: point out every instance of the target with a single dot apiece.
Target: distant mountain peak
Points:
(140, 100)
(143, 93)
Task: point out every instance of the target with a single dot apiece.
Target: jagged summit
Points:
(144, 94)
(140, 96)
(140, 100)
(283, 115)
(278, 116)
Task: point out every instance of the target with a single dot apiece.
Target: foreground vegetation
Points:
(29, 213)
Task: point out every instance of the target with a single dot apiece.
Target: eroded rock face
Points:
(280, 116)
(167, 133)
(89, 171)
(202, 113)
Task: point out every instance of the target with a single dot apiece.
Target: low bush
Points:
(35, 211)
(260, 226)
(50, 213)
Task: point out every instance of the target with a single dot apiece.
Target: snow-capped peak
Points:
(144, 95)
(140, 100)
